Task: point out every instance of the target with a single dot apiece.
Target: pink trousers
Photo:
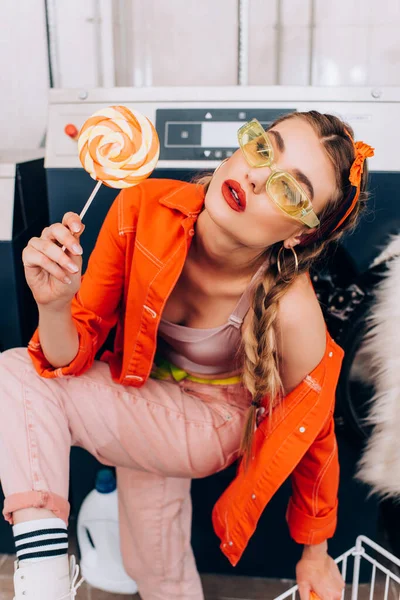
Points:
(159, 437)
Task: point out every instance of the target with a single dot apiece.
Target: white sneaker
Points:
(50, 579)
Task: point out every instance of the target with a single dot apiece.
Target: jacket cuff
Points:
(77, 366)
(305, 529)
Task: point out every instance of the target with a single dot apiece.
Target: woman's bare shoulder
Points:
(301, 332)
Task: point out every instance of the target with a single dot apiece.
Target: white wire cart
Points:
(384, 582)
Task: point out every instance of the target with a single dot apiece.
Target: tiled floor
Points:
(216, 587)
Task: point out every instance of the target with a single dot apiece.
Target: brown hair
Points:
(261, 372)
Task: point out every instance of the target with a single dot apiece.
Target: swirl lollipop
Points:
(117, 147)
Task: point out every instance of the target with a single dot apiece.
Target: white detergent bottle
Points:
(98, 538)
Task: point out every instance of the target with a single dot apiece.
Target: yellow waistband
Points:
(165, 370)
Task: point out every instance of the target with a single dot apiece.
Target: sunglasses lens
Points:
(255, 144)
(284, 192)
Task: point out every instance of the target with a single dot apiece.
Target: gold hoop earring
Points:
(220, 165)
(278, 263)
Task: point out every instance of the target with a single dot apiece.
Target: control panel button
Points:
(207, 153)
(71, 131)
(183, 135)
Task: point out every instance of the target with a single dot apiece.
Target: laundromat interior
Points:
(194, 73)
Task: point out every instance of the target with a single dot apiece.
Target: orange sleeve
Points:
(95, 307)
(312, 510)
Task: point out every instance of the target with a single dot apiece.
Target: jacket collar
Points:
(188, 199)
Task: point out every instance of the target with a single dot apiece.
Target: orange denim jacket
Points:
(137, 260)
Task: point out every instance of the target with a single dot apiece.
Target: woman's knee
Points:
(19, 380)
(14, 360)
(15, 367)
(14, 364)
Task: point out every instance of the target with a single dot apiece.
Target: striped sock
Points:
(40, 539)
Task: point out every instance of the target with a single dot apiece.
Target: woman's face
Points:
(297, 150)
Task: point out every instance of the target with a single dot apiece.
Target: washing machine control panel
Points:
(198, 126)
(206, 134)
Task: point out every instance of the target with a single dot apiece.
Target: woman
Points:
(213, 275)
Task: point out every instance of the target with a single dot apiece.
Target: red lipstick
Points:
(234, 195)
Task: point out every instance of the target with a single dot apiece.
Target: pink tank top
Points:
(206, 351)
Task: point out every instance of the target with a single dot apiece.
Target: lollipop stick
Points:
(90, 200)
(88, 203)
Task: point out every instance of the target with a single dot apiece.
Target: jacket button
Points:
(330, 354)
(302, 429)
(253, 496)
(151, 311)
(231, 543)
(191, 232)
(136, 377)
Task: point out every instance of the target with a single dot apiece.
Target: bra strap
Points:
(241, 308)
(235, 321)
(236, 318)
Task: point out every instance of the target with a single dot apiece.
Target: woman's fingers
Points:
(54, 258)
(73, 222)
(63, 236)
(54, 253)
(33, 258)
(304, 591)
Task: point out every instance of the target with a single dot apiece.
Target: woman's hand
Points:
(54, 276)
(317, 572)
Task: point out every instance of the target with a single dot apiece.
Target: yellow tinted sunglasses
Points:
(281, 186)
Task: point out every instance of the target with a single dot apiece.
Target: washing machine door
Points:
(354, 390)
(346, 298)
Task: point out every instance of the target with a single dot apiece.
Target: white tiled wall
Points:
(263, 42)
(295, 67)
(340, 55)
(384, 53)
(187, 42)
(178, 42)
(24, 76)
(326, 42)
(77, 56)
(357, 42)
(353, 42)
